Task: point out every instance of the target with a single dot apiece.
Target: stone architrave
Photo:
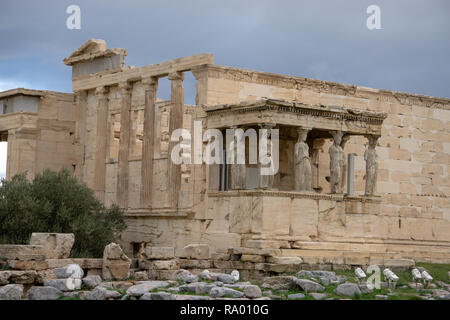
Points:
(303, 172)
(336, 162)
(370, 155)
(116, 265)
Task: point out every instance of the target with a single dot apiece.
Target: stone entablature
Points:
(329, 87)
(295, 114)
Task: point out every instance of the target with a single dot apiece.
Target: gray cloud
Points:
(327, 40)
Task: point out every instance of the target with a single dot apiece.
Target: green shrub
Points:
(57, 202)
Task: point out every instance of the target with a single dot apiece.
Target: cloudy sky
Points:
(327, 40)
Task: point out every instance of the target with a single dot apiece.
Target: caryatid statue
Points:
(336, 162)
(303, 173)
(370, 155)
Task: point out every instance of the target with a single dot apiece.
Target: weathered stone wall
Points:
(414, 164)
(43, 138)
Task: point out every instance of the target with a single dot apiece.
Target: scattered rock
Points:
(296, 296)
(70, 271)
(118, 285)
(279, 283)
(348, 290)
(11, 292)
(217, 292)
(184, 275)
(252, 292)
(233, 293)
(235, 275)
(365, 288)
(205, 275)
(112, 294)
(439, 292)
(325, 281)
(203, 288)
(92, 281)
(68, 284)
(73, 294)
(413, 285)
(116, 265)
(226, 278)
(145, 296)
(144, 287)
(309, 286)
(43, 293)
(189, 297)
(161, 295)
(318, 296)
(190, 287)
(381, 297)
(98, 293)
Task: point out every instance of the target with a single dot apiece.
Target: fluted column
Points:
(176, 122)
(100, 155)
(151, 88)
(124, 145)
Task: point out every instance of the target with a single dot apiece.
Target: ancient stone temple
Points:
(364, 174)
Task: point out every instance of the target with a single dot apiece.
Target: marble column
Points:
(101, 137)
(124, 145)
(151, 87)
(302, 162)
(237, 170)
(336, 162)
(370, 155)
(176, 122)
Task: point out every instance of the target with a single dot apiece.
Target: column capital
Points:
(199, 72)
(267, 125)
(176, 76)
(301, 129)
(101, 91)
(149, 81)
(372, 139)
(124, 87)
